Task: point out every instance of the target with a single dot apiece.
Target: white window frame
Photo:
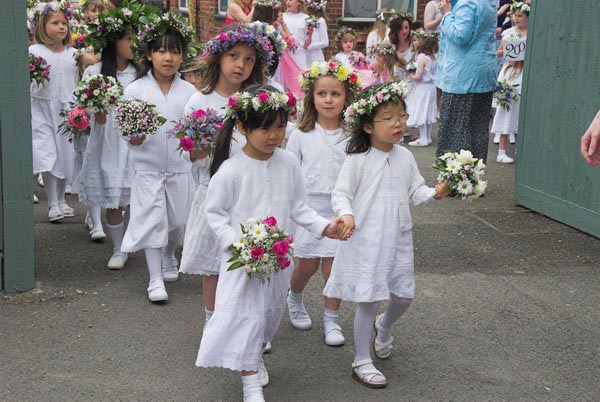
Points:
(371, 19)
(219, 11)
(183, 8)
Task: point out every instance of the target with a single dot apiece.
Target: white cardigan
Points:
(359, 181)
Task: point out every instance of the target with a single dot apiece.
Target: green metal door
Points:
(561, 95)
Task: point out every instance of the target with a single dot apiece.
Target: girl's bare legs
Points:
(209, 290)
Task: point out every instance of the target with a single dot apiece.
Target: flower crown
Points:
(60, 6)
(276, 4)
(240, 103)
(512, 35)
(317, 5)
(332, 68)
(83, 2)
(153, 26)
(399, 15)
(343, 32)
(383, 49)
(368, 101)
(272, 34)
(385, 14)
(520, 6)
(113, 25)
(251, 34)
(425, 34)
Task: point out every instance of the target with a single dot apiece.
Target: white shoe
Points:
(40, 180)
(97, 235)
(418, 143)
(496, 138)
(66, 210)
(157, 291)
(333, 334)
(117, 261)
(263, 373)
(169, 269)
(504, 159)
(55, 214)
(298, 315)
(68, 189)
(255, 398)
(267, 348)
(35, 199)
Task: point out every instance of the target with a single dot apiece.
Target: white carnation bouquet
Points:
(98, 92)
(463, 173)
(137, 118)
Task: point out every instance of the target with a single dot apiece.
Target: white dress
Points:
(421, 100)
(319, 42)
(507, 122)
(52, 152)
(373, 40)
(296, 23)
(377, 260)
(200, 255)
(247, 311)
(321, 154)
(106, 175)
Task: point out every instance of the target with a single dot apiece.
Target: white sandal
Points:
(383, 350)
(366, 377)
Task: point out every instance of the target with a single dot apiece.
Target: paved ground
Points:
(506, 309)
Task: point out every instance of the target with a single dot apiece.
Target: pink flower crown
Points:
(343, 32)
(241, 103)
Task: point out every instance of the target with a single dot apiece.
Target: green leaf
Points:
(235, 266)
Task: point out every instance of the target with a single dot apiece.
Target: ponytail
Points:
(222, 145)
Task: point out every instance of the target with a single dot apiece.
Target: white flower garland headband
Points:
(383, 49)
(385, 14)
(332, 68)
(319, 5)
(152, 27)
(276, 4)
(251, 34)
(368, 101)
(397, 15)
(423, 33)
(272, 34)
(343, 32)
(60, 6)
(240, 103)
(520, 6)
(111, 27)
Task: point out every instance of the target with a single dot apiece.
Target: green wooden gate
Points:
(561, 95)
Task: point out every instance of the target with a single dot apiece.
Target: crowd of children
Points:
(341, 186)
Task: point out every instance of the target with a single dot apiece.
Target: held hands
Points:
(198, 154)
(446, 7)
(100, 118)
(331, 230)
(138, 141)
(345, 227)
(590, 142)
(442, 189)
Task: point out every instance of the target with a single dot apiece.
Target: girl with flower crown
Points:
(233, 60)
(53, 155)
(317, 38)
(377, 181)
(262, 180)
(319, 142)
(163, 186)
(345, 41)
(294, 25)
(378, 34)
(388, 67)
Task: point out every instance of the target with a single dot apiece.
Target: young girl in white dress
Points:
(106, 175)
(163, 187)
(294, 21)
(260, 181)
(242, 53)
(53, 155)
(422, 103)
(379, 34)
(377, 181)
(346, 40)
(388, 66)
(319, 143)
(317, 39)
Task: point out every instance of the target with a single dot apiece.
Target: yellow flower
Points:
(314, 70)
(343, 73)
(74, 36)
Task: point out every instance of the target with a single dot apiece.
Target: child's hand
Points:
(345, 227)
(198, 154)
(331, 230)
(138, 141)
(442, 189)
(100, 118)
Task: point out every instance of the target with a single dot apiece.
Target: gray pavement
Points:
(507, 308)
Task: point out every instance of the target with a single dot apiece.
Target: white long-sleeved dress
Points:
(376, 187)
(319, 42)
(106, 174)
(296, 24)
(247, 311)
(321, 154)
(200, 255)
(52, 151)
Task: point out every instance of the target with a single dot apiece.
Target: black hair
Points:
(172, 40)
(395, 27)
(250, 121)
(109, 58)
(360, 140)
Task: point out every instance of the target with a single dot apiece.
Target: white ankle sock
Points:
(95, 213)
(50, 188)
(252, 387)
(116, 234)
(207, 314)
(295, 297)
(169, 250)
(501, 152)
(154, 261)
(396, 307)
(330, 317)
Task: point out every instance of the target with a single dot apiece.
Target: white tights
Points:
(425, 132)
(55, 189)
(154, 261)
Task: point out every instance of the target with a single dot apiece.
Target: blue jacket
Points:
(469, 64)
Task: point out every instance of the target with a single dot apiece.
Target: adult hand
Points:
(445, 7)
(590, 142)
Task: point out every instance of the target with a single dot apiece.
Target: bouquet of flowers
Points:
(39, 70)
(76, 123)
(411, 67)
(262, 250)
(290, 43)
(463, 173)
(98, 92)
(359, 61)
(312, 22)
(198, 130)
(505, 94)
(137, 118)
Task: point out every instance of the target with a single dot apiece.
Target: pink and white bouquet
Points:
(137, 118)
(76, 122)
(98, 92)
(198, 131)
(39, 70)
(463, 173)
(359, 61)
(312, 22)
(263, 249)
(290, 43)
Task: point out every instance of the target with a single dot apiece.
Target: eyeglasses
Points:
(390, 121)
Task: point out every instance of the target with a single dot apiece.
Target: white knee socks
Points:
(116, 234)
(253, 391)
(61, 185)
(154, 261)
(396, 307)
(95, 214)
(50, 186)
(363, 330)
(425, 133)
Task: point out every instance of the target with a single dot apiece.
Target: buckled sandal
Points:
(383, 350)
(366, 377)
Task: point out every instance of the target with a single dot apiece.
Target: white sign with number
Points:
(514, 49)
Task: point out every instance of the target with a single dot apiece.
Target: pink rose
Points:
(233, 102)
(350, 111)
(380, 97)
(257, 253)
(289, 239)
(270, 221)
(31, 67)
(353, 78)
(187, 143)
(468, 168)
(198, 114)
(280, 248)
(291, 99)
(283, 263)
(223, 36)
(263, 97)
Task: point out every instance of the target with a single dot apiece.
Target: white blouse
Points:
(63, 74)
(319, 42)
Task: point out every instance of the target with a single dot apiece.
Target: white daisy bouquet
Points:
(98, 92)
(411, 67)
(263, 249)
(463, 173)
(198, 130)
(505, 94)
(137, 118)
